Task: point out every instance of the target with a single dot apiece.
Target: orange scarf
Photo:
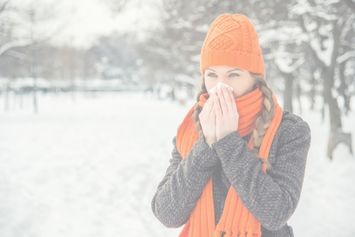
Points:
(236, 220)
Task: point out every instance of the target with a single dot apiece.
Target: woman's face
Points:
(241, 80)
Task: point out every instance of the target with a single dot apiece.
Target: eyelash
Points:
(213, 74)
(235, 74)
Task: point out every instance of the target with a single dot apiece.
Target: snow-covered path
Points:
(90, 168)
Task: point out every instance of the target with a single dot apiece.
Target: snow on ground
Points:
(90, 167)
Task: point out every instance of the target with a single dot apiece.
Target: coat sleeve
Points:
(183, 183)
(271, 197)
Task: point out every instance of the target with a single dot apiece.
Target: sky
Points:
(80, 22)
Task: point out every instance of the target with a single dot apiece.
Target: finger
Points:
(232, 106)
(209, 109)
(226, 94)
(206, 106)
(217, 108)
(229, 99)
(212, 111)
(222, 100)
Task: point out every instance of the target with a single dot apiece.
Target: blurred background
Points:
(92, 92)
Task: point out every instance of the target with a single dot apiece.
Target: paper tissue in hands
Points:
(213, 90)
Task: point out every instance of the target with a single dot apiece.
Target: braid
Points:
(263, 120)
(198, 108)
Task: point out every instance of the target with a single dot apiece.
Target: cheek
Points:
(237, 85)
(209, 85)
(240, 87)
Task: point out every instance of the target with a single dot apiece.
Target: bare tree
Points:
(326, 26)
(27, 18)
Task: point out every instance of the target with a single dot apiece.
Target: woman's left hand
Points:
(227, 115)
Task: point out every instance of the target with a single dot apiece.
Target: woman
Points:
(238, 161)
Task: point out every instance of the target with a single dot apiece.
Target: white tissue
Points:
(213, 90)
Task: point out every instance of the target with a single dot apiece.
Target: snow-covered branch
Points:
(346, 56)
(14, 44)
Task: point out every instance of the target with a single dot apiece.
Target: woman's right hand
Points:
(207, 118)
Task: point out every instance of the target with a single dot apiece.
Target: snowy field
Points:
(89, 168)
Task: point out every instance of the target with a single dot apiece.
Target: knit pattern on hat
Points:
(232, 40)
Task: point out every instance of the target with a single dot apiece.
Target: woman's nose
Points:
(223, 79)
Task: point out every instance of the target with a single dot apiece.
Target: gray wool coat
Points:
(271, 197)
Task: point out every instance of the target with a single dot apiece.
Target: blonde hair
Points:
(262, 121)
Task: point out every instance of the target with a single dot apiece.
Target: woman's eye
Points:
(234, 75)
(211, 74)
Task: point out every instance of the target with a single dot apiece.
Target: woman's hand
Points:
(227, 115)
(207, 118)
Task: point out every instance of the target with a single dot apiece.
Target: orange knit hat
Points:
(232, 40)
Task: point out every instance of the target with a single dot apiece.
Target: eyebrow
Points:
(234, 69)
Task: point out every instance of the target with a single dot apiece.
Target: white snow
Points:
(90, 167)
